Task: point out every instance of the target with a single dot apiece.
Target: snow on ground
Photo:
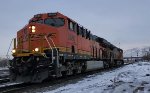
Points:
(133, 78)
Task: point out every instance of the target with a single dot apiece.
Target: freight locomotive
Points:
(53, 45)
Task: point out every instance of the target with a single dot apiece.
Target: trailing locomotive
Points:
(53, 45)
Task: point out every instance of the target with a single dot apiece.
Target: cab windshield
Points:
(37, 21)
(56, 22)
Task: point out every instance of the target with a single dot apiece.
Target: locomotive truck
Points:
(54, 45)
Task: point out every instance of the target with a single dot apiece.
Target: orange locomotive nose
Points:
(32, 37)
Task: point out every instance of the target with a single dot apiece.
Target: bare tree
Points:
(3, 62)
(146, 55)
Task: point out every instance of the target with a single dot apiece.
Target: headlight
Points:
(33, 29)
(13, 51)
(36, 49)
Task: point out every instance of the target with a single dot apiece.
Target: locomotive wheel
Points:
(78, 70)
(122, 62)
(69, 72)
(69, 69)
(106, 65)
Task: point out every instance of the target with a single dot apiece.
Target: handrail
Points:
(9, 49)
(50, 48)
(56, 50)
(8, 52)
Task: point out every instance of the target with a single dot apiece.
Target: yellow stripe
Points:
(22, 54)
(61, 49)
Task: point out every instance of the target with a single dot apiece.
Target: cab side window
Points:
(79, 30)
(71, 27)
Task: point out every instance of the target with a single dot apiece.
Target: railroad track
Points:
(4, 76)
(4, 80)
(28, 87)
(10, 87)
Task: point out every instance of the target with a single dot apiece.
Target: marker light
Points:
(13, 51)
(36, 49)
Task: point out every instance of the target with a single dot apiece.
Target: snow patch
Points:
(133, 78)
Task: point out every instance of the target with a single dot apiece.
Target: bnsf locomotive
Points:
(53, 45)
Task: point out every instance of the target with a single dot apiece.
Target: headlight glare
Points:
(36, 49)
(33, 27)
(33, 30)
(13, 51)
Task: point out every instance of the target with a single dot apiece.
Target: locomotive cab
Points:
(32, 38)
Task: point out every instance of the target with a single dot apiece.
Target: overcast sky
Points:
(119, 21)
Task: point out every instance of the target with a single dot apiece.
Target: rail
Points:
(5, 80)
